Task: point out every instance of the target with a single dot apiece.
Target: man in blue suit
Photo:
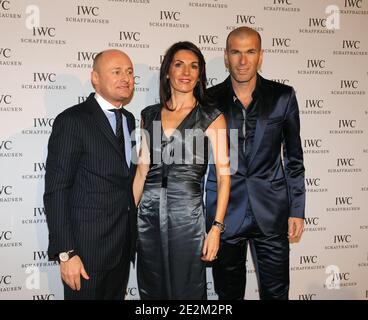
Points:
(267, 198)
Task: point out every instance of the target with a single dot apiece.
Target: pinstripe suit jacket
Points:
(88, 190)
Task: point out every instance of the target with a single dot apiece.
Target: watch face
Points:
(219, 225)
(64, 256)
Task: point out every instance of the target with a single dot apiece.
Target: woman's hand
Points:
(211, 244)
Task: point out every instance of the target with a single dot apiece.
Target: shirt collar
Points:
(255, 92)
(104, 104)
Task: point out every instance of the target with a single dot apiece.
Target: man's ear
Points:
(259, 66)
(226, 59)
(94, 78)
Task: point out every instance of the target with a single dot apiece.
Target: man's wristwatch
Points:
(65, 256)
(219, 225)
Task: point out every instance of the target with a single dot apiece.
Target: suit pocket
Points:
(278, 184)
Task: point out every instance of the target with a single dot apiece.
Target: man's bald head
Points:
(106, 54)
(244, 32)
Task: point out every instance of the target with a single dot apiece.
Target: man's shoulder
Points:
(275, 86)
(73, 111)
(218, 89)
(218, 94)
(76, 112)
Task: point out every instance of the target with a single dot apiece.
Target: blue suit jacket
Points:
(273, 184)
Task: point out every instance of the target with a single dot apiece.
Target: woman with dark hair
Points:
(172, 243)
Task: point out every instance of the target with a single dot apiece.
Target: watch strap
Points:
(219, 225)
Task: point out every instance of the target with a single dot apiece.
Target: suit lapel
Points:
(227, 100)
(131, 128)
(263, 106)
(131, 124)
(103, 124)
(258, 136)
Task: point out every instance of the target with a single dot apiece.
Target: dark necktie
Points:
(119, 130)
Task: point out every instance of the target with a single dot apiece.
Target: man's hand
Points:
(295, 230)
(71, 272)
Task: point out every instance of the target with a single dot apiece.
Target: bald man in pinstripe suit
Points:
(88, 185)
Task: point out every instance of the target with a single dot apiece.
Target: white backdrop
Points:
(46, 52)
